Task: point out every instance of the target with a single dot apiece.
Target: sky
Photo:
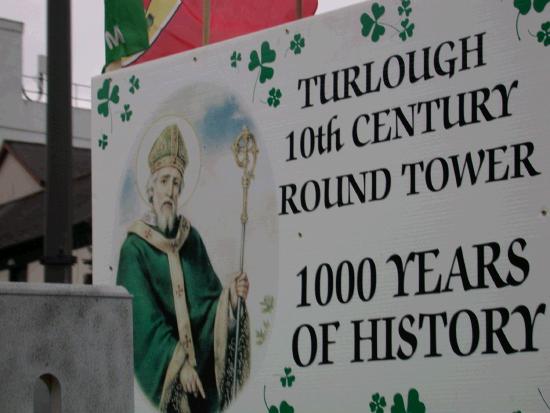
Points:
(87, 32)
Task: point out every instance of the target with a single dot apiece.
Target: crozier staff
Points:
(184, 320)
(245, 150)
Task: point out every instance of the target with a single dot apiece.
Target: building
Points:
(23, 172)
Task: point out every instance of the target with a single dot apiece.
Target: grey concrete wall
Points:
(82, 335)
(23, 120)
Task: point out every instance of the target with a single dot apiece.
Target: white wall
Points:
(81, 336)
(20, 119)
(35, 272)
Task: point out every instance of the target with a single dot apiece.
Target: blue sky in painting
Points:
(221, 124)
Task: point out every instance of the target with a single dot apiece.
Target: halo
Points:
(193, 169)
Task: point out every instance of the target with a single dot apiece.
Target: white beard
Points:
(166, 219)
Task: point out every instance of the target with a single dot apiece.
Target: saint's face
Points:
(166, 190)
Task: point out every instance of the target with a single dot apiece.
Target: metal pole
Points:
(58, 240)
(299, 12)
(205, 22)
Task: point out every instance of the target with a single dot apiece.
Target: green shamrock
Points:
(268, 303)
(378, 403)
(267, 55)
(274, 98)
(408, 28)
(539, 5)
(127, 114)
(284, 407)
(288, 378)
(106, 95)
(371, 23)
(523, 6)
(405, 8)
(297, 44)
(414, 405)
(235, 58)
(103, 142)
(543, 36)
(134, 84)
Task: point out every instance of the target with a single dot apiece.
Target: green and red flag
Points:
(125, 29)
(174, 26)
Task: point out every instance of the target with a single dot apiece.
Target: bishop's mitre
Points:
(169, 150)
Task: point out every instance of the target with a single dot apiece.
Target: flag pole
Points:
(299, 12)
(205, 22)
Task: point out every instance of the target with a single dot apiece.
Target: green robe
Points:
(159, 351)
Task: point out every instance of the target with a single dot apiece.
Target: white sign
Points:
(372, 182)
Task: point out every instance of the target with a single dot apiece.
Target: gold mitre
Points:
(168, 150)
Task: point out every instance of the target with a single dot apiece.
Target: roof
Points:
(32, 157)
(23, 219)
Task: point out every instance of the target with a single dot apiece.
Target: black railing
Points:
(34, 88)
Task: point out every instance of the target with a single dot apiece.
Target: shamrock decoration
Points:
(378, 403)
(524, 6)
(127, 114)
(408, 28)
(235, 58)
(267, 304)
(261, 334)
(106, 95)
(274, 98)
(267, 55)
(414, 405)
(371, 24)
(288, 378)
(539, 5)
(134, 84)
(405, 8)
(284, 407)
(297, 44)
(543, 36)
(103, 142)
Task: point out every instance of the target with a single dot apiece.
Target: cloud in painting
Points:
(129, 202)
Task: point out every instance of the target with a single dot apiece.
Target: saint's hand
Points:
(190, 380)
(239, 288)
